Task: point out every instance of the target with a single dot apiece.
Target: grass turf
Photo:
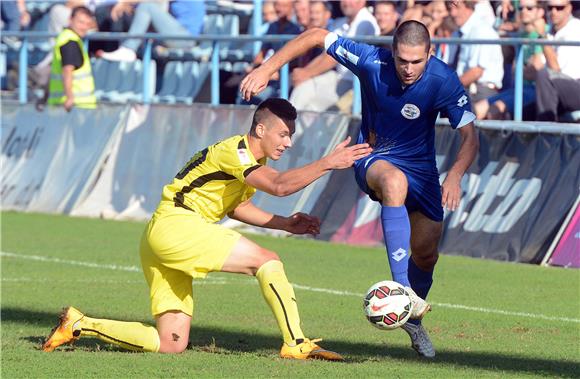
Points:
(490, 319)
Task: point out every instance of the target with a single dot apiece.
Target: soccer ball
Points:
(387, 305)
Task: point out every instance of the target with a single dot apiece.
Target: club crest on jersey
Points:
(410, 111)
(244, 158)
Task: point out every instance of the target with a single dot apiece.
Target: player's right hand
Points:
(254, 83)
(344, 156)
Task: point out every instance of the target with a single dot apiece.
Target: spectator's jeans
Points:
(508, 97)
(556, 93)
(10, 15)
(153, 14)
(106, 24)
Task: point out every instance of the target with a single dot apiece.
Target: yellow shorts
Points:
(177, 247)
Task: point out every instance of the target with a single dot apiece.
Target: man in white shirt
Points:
(558, 88)
(480, 67)
(317, 86)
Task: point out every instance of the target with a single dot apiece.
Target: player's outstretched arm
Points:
(288, 182)
(298, 223)
(451, 187)
(258, 79)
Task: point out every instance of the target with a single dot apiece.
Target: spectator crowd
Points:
(551, 89)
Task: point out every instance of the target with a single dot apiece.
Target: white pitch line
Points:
(69, 262)
(298, 286)
(452, 306)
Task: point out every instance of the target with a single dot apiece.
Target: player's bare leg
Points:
(388, 182)
(425, 236)
(249, 258)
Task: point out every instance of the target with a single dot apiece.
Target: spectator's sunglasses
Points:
(559, 8)
(529, 8)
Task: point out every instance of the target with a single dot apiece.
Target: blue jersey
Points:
(401, 118)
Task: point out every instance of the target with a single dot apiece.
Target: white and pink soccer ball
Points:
(387, 305)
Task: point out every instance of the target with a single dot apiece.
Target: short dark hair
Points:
(412, 33)
(281, 108)
(81, 10)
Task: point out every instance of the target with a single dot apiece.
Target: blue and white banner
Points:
(155, 143)
(49, 158)
(515, 196)
(158, 141)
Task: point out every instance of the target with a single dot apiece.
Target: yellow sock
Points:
(279, 295)
(129, 335)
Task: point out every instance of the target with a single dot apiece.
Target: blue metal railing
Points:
(27, 37)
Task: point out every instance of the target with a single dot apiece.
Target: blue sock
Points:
(397, 234)
(420, 283)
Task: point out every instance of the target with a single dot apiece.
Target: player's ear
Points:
(260, 130)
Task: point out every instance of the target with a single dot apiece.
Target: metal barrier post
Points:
(519, 83)
(22, 73)
(215, 74)
(256, 24)
(284, 87)
(146, 68)
(356, 97)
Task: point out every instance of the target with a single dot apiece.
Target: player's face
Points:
(277, 137)
(410, 62)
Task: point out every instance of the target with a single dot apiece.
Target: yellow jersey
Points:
(213, 182)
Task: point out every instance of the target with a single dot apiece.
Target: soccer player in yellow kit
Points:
(182, 241)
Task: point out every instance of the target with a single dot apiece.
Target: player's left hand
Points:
(254, 83)
(302, 223)
(451, 191)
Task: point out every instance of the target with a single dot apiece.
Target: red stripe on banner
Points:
(368, 234)
(567, 252)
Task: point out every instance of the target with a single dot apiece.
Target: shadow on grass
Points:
(223, 341)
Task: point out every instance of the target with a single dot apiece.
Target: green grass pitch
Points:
(489, 319)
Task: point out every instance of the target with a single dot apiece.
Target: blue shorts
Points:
(424, 190)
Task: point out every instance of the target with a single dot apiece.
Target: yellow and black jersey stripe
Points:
(213, 181)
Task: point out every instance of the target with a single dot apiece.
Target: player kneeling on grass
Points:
(182, 241)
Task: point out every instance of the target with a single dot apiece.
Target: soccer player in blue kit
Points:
(403, 92)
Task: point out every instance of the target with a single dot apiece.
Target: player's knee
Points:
(426, 262)
(262, 258)
(266, 256)
(394, 186)
(170, 346)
